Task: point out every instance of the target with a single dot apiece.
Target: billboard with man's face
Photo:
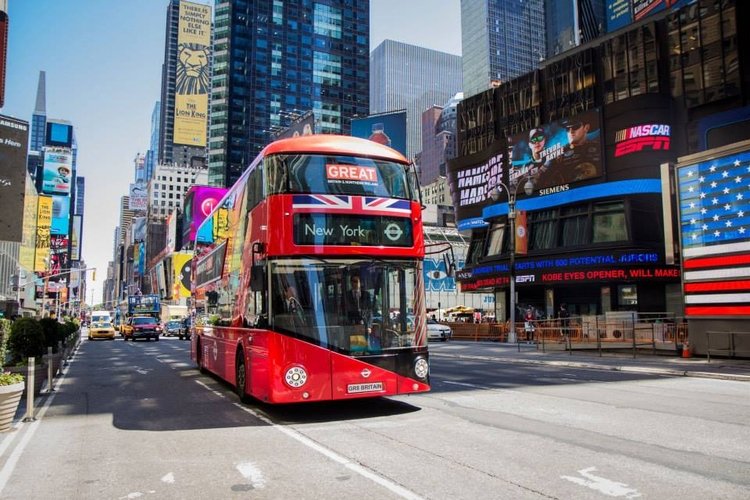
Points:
(556, 154)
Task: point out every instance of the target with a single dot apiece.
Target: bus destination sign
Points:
(335, 229)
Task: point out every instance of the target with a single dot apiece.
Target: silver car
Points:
(436, 331)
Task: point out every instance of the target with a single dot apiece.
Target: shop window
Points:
(495, 238)
(476, 247)
(608, 222)
(542, 229)
(573, 226)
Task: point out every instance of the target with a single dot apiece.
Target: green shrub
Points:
(53, 332)
(26, 340)
(10, 378)
(4, 334)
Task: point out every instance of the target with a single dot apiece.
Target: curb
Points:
(596, 366)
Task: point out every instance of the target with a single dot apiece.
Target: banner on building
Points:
(28, 241)
(192, 74)
(58, 256)
(138, 198)
(43, 225)
(303, 124)
(388, 129)
(14, 139)
(522, 233)
(58, 171)
(75, 238)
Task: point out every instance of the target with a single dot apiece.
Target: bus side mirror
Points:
(257, 276)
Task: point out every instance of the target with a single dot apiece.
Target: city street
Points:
(137, 420)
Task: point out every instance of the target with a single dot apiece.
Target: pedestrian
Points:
(564, 316)
(529, 318)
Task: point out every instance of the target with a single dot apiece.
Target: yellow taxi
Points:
(101, 330)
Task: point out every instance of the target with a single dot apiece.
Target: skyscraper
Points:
(275, 60)
(501, 39)
(404, 76)
(38, 127)
(185, 83)
(152, 155)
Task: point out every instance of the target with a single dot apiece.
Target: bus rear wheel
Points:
(241, 377)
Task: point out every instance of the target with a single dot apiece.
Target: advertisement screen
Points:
(181, 263)
(471, 180)
(199, 202)
(60, 215)
(192, 75)
(388, 129)
(643, 8)
(14, 139)
(557, 153)
(75, 238)
(58, 172)
(59, 134)
(44, 221)
(302, 125)
(715, 235)
(58, 254)
(30, 208)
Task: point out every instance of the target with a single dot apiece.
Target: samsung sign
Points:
(635, 139)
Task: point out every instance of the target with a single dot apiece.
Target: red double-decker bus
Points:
(312, 287)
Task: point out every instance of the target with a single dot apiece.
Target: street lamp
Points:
(528, 188)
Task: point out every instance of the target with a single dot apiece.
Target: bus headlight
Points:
(421, 368)
(295, 377)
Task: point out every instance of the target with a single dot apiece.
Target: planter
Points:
(40, 375)
(10, 396)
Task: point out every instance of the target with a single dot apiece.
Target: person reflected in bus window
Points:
(358, 304)
(292, 305)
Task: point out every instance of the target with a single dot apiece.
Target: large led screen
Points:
(388, 129)
(715, 233)
(60, 215)
(556, 154)
(192, 74)
(199, 202)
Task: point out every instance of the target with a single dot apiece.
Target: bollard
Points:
(30, 392)
(49, 370)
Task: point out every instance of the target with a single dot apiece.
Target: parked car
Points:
(101, 330)
(437, 331)
(139, 327)
(173, 327)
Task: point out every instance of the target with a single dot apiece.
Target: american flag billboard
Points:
(714, 202)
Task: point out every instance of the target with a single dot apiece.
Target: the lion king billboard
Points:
(192, 82)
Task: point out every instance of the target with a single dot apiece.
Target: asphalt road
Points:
(137, 420)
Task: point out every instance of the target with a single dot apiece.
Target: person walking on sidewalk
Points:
(528, 319)
(564, 316)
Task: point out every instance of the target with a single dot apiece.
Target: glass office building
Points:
(275, 60)
(501, 39)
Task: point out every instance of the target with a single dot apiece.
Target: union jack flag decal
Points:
(315, 203)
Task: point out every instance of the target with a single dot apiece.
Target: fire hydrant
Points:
(686, 352)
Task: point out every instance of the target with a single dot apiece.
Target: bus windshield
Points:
(355, 307)
(346, 175)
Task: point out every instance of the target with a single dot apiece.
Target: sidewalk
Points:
(726, 369)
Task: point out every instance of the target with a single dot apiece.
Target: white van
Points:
(100, 317)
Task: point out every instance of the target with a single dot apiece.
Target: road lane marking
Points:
(253, 474)
(168, 478)
(602, 485)
(340, 459)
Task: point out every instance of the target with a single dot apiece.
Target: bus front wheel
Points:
(241, 377)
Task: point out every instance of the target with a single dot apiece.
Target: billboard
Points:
(58, 171)
(471, 180)
(715, 235)
(138, 197)
(75, 238)
(14, 139)
(388, 129)
(60, 215)
(192, 74)
(181, 264)
(619, 14)
(301, 125)
(43, 224)
(557, 154)
(28, 242)
(199, 202)
(58, 256)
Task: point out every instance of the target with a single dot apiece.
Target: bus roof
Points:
(340, 144)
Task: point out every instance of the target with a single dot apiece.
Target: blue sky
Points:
(103, 60)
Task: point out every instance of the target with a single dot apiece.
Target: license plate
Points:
(371, 387)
